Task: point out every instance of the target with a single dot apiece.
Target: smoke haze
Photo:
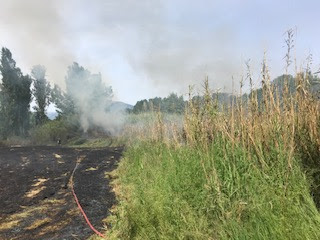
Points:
(151, 48)
(92, 100)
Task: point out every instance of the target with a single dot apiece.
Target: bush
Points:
(50, 132)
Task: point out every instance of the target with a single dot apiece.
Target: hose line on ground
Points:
(78, 203)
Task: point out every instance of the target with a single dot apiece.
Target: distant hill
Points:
(117, 106)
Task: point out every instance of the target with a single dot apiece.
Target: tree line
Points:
(84, 93)
(176, 104)
(171, 104)
(86, 97)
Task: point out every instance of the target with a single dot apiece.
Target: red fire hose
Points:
(79, 206)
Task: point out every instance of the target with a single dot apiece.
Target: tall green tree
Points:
(16, 96)
(41, 93)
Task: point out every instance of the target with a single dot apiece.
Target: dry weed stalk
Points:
(276, 116)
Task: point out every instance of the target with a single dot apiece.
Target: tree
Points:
(174, 104)
(170, 104)
(140, 106)
(90, 95)
(62, 101)
(16, 96)
(86, 99)
(41, 92)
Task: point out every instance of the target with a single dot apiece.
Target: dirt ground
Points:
(36, 201)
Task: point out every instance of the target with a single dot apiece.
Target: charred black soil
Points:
(36, 201)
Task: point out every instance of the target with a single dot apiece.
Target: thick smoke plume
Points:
(92, 100)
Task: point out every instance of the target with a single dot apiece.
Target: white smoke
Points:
(92, 100)
(150, 48)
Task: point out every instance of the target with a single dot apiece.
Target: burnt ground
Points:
(36, 201)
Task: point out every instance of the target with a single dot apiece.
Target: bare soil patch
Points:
(35, 196)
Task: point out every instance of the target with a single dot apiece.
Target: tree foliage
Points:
(41, 93)
(62, 101)
(171, 104)
(87, 90)
(15, 97)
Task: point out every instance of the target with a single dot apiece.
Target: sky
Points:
(148, 48)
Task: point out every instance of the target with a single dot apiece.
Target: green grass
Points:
(220, 193)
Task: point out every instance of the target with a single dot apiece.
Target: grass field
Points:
(187, 193)
(249, 170)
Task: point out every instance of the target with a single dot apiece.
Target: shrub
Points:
(50, 132)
